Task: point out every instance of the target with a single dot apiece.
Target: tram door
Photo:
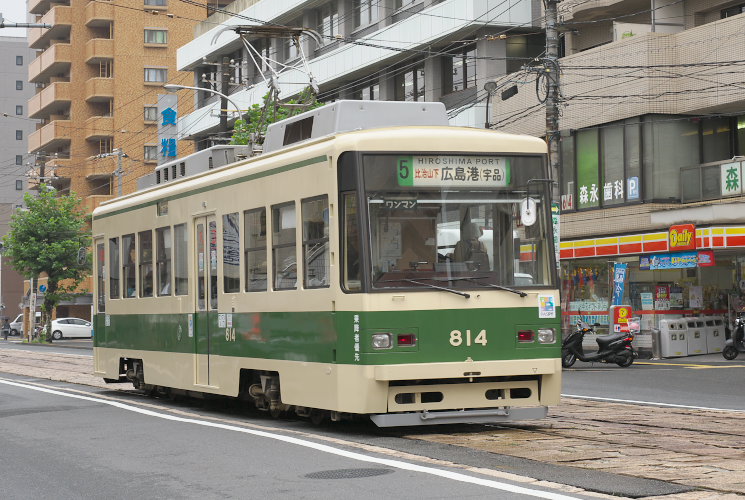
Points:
(205, 250)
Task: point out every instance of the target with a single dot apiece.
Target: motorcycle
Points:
(612, 348)
(735, 343)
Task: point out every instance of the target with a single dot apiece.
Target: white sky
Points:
(14, 11)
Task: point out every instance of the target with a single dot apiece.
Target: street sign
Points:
(42, 288)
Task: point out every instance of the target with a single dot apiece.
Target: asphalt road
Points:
(73, 442)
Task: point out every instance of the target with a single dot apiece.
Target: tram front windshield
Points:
(454, 221)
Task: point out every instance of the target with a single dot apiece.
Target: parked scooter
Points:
(612, 348)
(735, 343)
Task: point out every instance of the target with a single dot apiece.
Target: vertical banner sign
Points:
(167, 127)
(731, 179)
(557, 232)
(619, 278)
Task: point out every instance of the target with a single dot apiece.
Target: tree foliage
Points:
(252, 128)
(51, 238)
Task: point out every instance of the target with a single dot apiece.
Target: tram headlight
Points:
(546, 335)
(381, 341)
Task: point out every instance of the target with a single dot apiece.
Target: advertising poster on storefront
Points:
(662, 297)
(678, 260)
(619, 278)
(696, 297)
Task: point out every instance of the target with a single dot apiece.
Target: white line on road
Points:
(316, 446)
(650, 403)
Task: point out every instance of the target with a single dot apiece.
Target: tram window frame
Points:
(145, 263)
(231, 250)
(254, 248)
(311, 240)
(284, 238)
(164, 260)
(129, 290)
(114, 292)
(212, 256)
(351, 244)
(100, 276)
(180, 259)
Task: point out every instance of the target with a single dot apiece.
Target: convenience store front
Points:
(670, 274)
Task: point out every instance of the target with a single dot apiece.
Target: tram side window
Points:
(114, 268)
(255, 248)
(164, 248)
(212, 228)
(284, 241)
(180, 261)
(352, 270)
(128, 265)
(146, 263)
(100, 277)
(315, 213)
(231, 253)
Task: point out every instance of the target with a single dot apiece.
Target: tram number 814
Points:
(456, 338)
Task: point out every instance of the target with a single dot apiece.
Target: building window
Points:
(105, 146)
(19, 60)
(145, 256)
(151, 113)
(733, 11)
(283, 246)
(19, 109)
(156, 3)
(255, 249)
(315, 213)
(367, 93)
(114, 268)
(399, 4)
(106, 69)
(329, 22)
(19, 185)
(365, 12)
(409, 84)
(151, 153)
(164, 250)
(231, 253)
(156, 75)
(19, 159)
(19, 84)
(19, 135)
(156, 36)
(459, 70)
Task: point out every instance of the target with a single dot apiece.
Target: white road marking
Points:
(650, 403)
(398, 464)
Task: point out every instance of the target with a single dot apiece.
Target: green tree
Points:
(259, 116)
(50, 237)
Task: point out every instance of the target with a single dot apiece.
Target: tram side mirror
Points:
(528, 211)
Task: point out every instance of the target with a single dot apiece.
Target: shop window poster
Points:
(676, 297)
(696, 297)
(662, 297)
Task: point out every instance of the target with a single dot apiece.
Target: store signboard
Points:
(682, 237)
(678, 260)
(706, 258)
(731, 175)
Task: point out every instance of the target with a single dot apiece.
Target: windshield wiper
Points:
(473, 279)
(430, 285)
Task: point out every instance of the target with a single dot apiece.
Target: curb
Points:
(53, 344)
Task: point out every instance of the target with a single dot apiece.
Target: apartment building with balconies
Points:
(652, 147)
(98, 72)
(420, 50)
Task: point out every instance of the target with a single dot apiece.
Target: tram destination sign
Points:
(453, 171)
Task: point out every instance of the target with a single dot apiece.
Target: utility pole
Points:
(552, 97)
(224, 90)
(119, 172)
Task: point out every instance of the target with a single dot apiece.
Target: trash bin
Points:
(673, 341)
(696, 336)
(714, 334)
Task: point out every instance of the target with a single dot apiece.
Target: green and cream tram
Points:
(406, 273)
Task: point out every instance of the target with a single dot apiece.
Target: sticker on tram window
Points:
(449, 170)
(399, 204)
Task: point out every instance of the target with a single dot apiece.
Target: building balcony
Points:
(99, 14)
(40, 7)
(53, 135)
(99, 49)
(60, 17)
(56, 59)
(99, 127)
(99, 168)
(53, 99)
(99, 89)
(59, 171)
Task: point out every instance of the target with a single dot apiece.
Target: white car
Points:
(71, 328)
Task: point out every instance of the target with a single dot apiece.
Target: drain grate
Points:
(347, 473)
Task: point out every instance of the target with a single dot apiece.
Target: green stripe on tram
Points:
(326, 337)
(219, 185)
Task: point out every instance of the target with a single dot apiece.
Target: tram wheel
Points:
(318, 417)
(729, 352)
